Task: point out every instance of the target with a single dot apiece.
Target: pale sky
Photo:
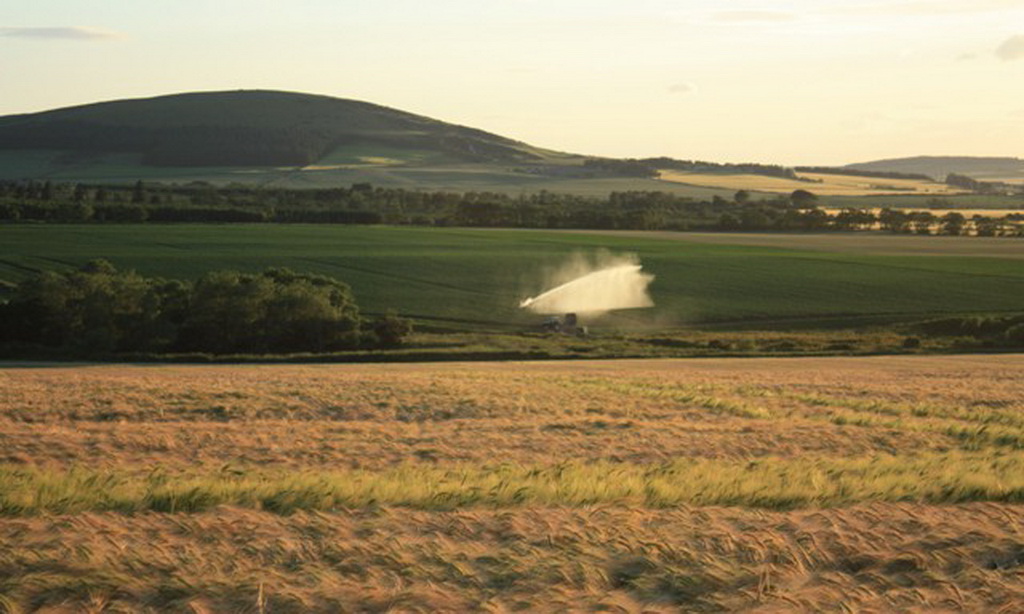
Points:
(774, 81)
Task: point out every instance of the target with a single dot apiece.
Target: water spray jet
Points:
(617, 284)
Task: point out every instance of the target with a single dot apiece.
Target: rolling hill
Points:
(297, 140)
(937, 167)
(247, 128)
(288, 140)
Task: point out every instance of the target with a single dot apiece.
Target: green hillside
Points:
(247, 128)
(289, 140)
(296, 140)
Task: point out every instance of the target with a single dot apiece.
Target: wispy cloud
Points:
(681, 87)
(728, 18)
(753, 16)
(75, 33)
(929, 7)
(1012, 48)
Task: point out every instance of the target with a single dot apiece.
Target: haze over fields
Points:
(788, 82)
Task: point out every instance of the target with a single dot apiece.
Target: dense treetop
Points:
(98, 310)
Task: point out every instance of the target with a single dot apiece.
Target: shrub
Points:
(1014, 336)
(390, 329)
(98, 310)
(992, 329)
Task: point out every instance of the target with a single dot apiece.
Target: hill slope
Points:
(246, 128)
(292, 141)
(937, 167)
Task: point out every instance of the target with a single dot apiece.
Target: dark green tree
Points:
(803, 199)
(953, 223)
(138, 193)
(93, 309)
(391, 330)
(276, 311)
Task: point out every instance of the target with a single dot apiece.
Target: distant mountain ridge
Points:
(265, 137)
(938, 167)
(246, 128)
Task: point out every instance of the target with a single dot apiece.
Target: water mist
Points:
(592, 287)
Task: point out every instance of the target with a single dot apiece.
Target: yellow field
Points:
(1005, 179)
(967, 213)
(810, 484)
(830, 185)
(364, 161)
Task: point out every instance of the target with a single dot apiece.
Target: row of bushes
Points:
(995, 330)
(98, 310)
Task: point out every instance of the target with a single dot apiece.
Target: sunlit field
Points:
(888, 483)
(967, 213)
(818, 183)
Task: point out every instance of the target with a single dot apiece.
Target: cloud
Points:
(76, 33)
(680, 88)
(699, 18)
(1012, 48)
(929, 7)
(753, 16)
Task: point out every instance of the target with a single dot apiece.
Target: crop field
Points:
(959, 202)
(819, 183)
(837, 484)
(967, 213)
(1018, 179)
(857, 243)
(474, 279)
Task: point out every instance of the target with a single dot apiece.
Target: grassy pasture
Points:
(820, 183)
(888, 483)
(474, 279)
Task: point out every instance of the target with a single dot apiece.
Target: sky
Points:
(784, 82)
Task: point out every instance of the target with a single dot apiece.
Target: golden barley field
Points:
(779, 484)
(967, 213)
(819, 183)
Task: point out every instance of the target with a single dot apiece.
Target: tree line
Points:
(651, 167)
(854, 172)
(98, 310)
(366, 204)
(981, 187)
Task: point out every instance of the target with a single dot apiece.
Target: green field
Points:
(474, 279)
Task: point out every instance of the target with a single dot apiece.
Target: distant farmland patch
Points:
(967, 213)
(818, 183)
